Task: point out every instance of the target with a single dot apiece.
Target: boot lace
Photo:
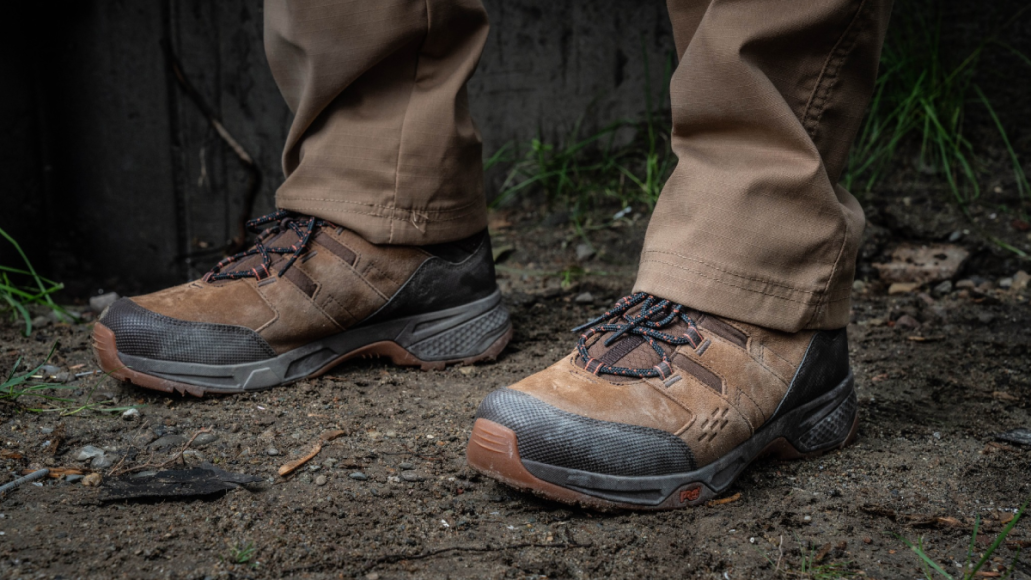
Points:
(655, 313)
(283, 220)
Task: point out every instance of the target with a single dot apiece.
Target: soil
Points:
(939, 374)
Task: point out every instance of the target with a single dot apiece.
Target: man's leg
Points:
(382, 141)
(379, 246)
(733, 343)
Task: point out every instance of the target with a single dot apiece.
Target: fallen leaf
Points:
(903, 287)
(725, 500)
(326, 437)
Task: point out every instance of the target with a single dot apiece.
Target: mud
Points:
(938, 373)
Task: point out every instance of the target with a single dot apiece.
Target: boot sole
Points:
(464, 335)
(827, 423)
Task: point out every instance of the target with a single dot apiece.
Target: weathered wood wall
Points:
(112, 177)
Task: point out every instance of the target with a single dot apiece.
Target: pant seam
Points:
(829, 73)
(404, 121)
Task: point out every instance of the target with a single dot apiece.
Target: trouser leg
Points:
(766, 100)
(382, 141)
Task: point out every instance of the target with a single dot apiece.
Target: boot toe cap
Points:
(551, 436)
(142, 333)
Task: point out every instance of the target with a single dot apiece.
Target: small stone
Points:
(131, 414)
(101, 462)
(88, 452)
(234, 428)
(314, 467)
(329, 463)
(907, 322)
(359, 476)
(372, 576)
(1021, 281)
(943, 288)
(937, 435)
(92, 480)
(859, 285)
(1006, 283)
(195, 455)
(584, 252)
(62, 377)
(99, 303)
(272, 452)
(167, 442)
(584, 298)
(204, 439)
(321, 480)
(40, 322)
(955, 236)
(406, 465)
(966, 285)
(49, 370)
(72, 478)
(902, 287)
(46, 430)
(411, 476)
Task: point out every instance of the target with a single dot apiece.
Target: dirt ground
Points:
(939, 374)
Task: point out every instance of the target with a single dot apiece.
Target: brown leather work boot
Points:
(307, 296)
(662, 407)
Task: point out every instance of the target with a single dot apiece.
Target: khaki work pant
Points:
(766, 101)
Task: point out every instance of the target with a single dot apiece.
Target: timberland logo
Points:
(692, 494)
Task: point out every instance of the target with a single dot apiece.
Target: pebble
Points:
(166, 442)
(955, 236)
(859, 285)
(197, 455)
(359, 476)
(329, 463)
(46, 430)
(101, 462)
(907, 322)
(40, 322)
(88, 452)
(584, 251)
(411, 476)
(1021, 280)
(131, 414)
(966, 285)
(943, 288)
(406, 465)
(92, 480)
(72, 478)
(204, 439)
(584, 298)
(1006, 283)
(272, 452)
(321, 480)
(99, 303)
(62, 377)
(49, 370)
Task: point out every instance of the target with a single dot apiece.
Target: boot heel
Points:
(475, 339)
(834, 429)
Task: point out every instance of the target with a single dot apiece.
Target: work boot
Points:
(306, 297)
(663, 407)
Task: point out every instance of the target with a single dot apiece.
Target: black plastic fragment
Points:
(172, 484)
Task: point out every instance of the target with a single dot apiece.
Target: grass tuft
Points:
(39, 290)
(920, 97)
(971, 569)
(16, 386)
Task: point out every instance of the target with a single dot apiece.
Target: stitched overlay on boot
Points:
(635, 320)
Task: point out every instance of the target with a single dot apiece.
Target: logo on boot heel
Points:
(692, 494)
